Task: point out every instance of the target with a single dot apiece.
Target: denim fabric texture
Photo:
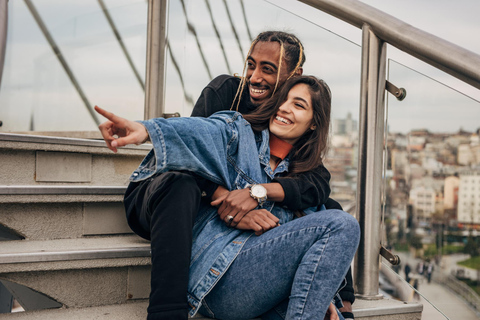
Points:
(302, 261)
(222, 149)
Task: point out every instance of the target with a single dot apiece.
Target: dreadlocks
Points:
(291, 49)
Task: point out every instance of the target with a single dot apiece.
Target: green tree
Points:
(415, 241)
(471, 247)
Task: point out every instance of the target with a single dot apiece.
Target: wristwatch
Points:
(258, 192)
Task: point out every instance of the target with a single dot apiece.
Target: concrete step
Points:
(384, 309)
(55, 212)
(31, 160)
(80, 272)
(128, 311)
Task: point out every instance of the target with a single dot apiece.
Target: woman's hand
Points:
(129, 132)
(331, 313)
(259, 221)
(236, 204)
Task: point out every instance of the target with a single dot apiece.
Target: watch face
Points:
(259, 191)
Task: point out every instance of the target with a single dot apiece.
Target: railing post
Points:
(370, 151)
(157, 26)
(3, 34)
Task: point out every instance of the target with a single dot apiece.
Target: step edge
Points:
(70, 255)
(61, 189)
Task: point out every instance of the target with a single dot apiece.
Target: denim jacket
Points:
(221, 149)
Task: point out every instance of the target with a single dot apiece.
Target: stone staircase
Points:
(67, 252)
(66, 241)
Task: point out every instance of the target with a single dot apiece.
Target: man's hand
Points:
(259, 221)
(236, 203)
(129, 132)
(331, 313)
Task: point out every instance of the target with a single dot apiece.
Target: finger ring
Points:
(229, 219)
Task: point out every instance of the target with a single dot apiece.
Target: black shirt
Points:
(307, 189)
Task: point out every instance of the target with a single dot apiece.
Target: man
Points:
(162, 208)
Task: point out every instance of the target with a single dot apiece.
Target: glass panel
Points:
(37, 94)
(432, 188)
(328, 56)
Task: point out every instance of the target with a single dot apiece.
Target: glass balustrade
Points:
(328, 56)
(37, 93)
(431, 191)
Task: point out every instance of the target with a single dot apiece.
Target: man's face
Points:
(262, 71)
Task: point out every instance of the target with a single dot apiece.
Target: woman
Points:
(239, 270)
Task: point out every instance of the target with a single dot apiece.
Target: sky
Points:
(435, 100)
(35, 89)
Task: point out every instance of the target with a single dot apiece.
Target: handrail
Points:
(444, 55)
(460, 288)
(3, 34)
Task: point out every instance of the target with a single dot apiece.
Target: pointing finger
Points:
(109, 115)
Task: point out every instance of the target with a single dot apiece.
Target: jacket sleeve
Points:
(209, 102)
(181, 144)
(308, 189)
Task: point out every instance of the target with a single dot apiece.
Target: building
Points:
(423, 200)
(450, 191)
(469, 197)
(345, 126)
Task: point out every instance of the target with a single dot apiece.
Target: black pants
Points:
(162, 209)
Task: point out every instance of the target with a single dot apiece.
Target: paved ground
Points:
(449, 303)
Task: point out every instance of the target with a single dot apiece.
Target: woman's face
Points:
(295, 115)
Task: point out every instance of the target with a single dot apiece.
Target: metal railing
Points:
(3, 33)
(444, 55)
(460, 288)
(380, 28)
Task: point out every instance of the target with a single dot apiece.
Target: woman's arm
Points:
(127, 132)
(198, 145)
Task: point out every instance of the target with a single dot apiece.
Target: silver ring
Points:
(229, 219)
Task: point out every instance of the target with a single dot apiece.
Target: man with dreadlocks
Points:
(273, 57)
(163, 208)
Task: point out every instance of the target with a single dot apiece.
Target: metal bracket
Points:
(400, 94)
(171, 115)
(392, 258)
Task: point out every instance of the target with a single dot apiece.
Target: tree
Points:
(471, 247)
(415, 241)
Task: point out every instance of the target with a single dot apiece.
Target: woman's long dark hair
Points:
(309, 151)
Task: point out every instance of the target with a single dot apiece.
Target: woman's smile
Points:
(295, 116)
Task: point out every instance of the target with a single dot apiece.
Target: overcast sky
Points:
(36, 90)
(429, 103)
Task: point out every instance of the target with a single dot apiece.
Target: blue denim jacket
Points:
(221, 149)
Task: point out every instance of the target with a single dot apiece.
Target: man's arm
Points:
(217, 96)
(238, 203)
(305, 190)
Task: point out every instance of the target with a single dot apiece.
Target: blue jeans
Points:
(290, 272)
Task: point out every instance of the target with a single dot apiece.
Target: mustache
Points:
(257, 86)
